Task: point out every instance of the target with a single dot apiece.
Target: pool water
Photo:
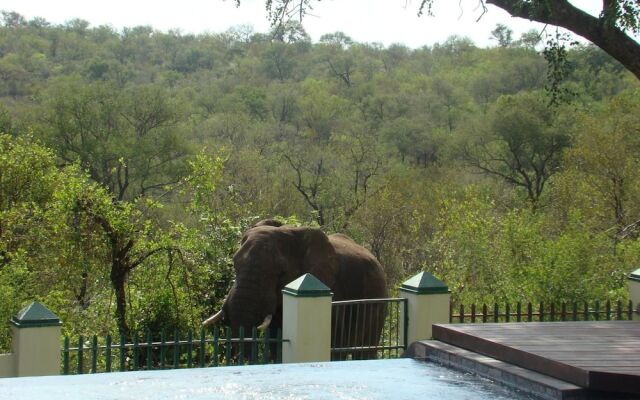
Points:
(379, 379)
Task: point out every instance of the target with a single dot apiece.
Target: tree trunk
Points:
(118, 278)
(603, 33)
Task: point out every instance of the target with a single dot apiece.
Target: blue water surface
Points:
(348, 380)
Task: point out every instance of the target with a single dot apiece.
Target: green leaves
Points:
(523, 144)
(204, 177)
(486, 255)
(165, 147)
(42, 237)
(557, 68)
(127, 140)
(624, 14)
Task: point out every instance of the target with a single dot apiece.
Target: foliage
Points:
(605, 159)
(134, 160)
(608, 31)
(486, 256)
(525, 144)
(42, 238)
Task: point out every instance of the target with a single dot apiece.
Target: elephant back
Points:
(360, 275)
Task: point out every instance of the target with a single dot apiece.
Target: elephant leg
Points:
(376, 324)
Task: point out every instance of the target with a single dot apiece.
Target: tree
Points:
(340, 61)
(64, 240)
(609, 30)
(503, 35)
(529, 39)
(606, 157)
(523, 145)
(321, 111)
(311, 178)
(14, 76)
(30, 217)
(279, 61)
(486, 255)
(127, 140)
(361, 165)
(283, 102)
(41, 202)
(337, 39)
(6, 123)
(290, 32)
(130, 241)
(334, 184)
(12, 19)
(397, 222)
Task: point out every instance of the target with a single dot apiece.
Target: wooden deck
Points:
(595, 355)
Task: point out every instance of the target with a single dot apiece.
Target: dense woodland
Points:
(132, 161)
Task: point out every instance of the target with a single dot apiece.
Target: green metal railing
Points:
(541, 312)
(368, 329)
(91, 355)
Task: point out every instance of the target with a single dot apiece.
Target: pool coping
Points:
(530, 382)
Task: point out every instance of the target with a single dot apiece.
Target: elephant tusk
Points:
(212, 320)
(265, 324)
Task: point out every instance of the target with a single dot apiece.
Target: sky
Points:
(382, 21)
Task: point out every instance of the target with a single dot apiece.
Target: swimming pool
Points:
(378, 379)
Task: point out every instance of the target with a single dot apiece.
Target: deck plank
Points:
(599, 355)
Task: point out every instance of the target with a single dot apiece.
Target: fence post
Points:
(306, 320)
(428, 301)
(634, 292)
(36, 341)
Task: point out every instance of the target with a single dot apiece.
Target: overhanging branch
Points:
(600, 31)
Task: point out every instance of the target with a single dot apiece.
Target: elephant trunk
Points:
(249, 306)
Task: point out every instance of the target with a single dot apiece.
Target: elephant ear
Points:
(319, 258)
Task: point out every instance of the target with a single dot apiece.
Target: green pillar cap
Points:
(424, 283)
(35, 315)
(635, 275)
(307, 286)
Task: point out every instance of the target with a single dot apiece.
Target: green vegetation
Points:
(612, 30)
(131, 162)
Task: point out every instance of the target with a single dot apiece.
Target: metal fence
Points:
(368, 329)
(162, 352)
(540, 312)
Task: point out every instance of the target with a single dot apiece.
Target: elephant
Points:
(271, 255)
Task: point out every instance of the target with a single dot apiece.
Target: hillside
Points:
(133, 161)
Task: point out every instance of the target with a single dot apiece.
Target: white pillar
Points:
(428, 303)
(633, 282)
(36, 341)
(306, 320)
(7, 365)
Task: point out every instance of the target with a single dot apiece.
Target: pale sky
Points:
(383, 21)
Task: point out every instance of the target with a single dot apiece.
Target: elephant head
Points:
(271, 256)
